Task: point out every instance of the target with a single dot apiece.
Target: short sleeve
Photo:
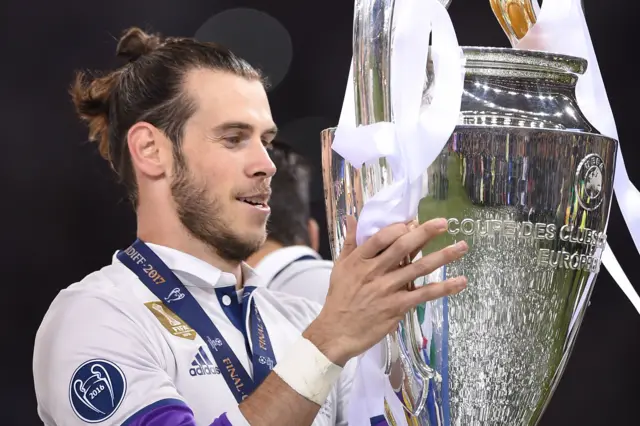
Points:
(93, 363)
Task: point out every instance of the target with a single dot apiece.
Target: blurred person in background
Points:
(289, 260)
(177, 330)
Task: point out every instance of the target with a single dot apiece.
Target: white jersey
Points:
(108, 351)
(297, 270)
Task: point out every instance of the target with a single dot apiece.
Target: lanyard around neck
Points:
(167, 287)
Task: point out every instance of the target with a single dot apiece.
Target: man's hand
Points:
(367, 298)
(368, 295)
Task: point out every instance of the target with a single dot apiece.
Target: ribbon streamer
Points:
(562, 28)
(417, 136)
(410, 145)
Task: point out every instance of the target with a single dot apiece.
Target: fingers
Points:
(411, 242)
(417, 251)
(415, 254)
(427, 264)
(410, 299)
(350, 238)
(382, 240)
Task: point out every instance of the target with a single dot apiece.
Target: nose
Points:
(260, 164)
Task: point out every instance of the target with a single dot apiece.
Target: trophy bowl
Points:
(527, 182)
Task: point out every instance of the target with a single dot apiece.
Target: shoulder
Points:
(108, 289)
(102, 306)
(298, 310)
(309, 265)
(309, 279)
(309, 271)
(96, 329)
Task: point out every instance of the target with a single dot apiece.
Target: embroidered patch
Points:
(96, 390)
(172, 322)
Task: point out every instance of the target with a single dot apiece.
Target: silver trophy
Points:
(527, 181)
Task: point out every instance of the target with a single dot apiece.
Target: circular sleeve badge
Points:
(96, 390)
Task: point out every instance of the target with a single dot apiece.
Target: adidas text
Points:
(203, 371)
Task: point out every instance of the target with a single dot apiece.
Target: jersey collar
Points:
(196, 272)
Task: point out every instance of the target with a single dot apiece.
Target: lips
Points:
(258, 200)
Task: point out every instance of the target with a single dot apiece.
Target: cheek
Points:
(218, 169)
(217, 177)
(219, 161)
(219, 190)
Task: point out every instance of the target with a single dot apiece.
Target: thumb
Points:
(350, 239)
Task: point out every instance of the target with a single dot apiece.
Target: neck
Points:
(159, 226)
(267, 248)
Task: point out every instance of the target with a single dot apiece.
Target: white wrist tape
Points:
(308, 371)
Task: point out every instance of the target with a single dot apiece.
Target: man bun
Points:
(135, 43)
(90, 96)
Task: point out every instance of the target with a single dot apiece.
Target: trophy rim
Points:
(325, 133)
(537, 60)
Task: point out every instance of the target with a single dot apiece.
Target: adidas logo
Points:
(202, 365)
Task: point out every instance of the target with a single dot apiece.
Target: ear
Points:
(150, 150)
(314, 234)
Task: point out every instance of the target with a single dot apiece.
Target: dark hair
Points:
(290, 186)
(148, 88)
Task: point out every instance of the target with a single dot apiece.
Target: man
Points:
(177, 330)
(289, 261)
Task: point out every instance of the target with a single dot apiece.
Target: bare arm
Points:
(275, 403)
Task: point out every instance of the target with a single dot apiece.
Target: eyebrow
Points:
(239, 125)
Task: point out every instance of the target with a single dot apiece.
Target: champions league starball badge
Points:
(589, 179)
(96, 390)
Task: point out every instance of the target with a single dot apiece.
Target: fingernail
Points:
(461, 282)
(459, 285)
(461, 247)
(441, 224)
(413, 225)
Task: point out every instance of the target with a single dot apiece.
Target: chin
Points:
(252, 227)
(256, 238)
(236, 246)
(249, 231)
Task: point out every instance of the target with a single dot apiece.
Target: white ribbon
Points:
(369, 390)
(417, 137)
(562, 28)
(410, 145)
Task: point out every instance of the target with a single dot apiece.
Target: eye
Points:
(233, 139)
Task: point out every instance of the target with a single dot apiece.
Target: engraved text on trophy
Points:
(492, 232)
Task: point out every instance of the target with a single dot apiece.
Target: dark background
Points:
(63, 215)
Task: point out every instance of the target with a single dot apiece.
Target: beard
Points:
(202, 217)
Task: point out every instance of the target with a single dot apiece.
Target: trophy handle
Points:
(345, 194)
(387, 355)
(410, 332)
(407, 340)
(420, 367)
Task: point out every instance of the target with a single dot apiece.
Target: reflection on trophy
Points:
(526, 181)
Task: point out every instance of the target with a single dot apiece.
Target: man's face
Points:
(221, 186)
